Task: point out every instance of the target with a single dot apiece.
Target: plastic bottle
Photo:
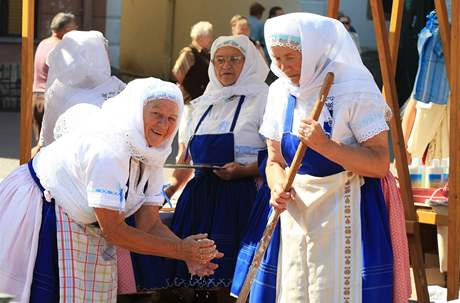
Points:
(434, 175)
(416, 173)
(445, 168)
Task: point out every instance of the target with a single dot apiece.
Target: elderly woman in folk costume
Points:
(79, 72)
(335, 242)
(64, 211)
(223, 132)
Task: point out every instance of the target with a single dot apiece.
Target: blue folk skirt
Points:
(209, 205)
(377, 267)
(264, 287)
(45, 283)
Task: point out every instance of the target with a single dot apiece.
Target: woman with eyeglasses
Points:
(224, 132)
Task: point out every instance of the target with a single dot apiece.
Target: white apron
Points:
(320, 254)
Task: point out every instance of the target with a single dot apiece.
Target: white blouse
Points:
(59, 98)
(356, 117)
(248, 141)
(92, 175)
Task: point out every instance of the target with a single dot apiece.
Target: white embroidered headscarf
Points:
(79, 72)
(326, 47)
(120, 121)
(123, 115)
(249, 83)
(79, 60)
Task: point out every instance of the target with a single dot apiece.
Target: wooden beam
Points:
(394, 35)
(415, 248)
(333, 8)
(87, 15)
(454, 170)
(394, 32)
(27, 71)
(444, 30)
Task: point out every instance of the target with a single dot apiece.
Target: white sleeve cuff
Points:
(100, 198)
(156, 199)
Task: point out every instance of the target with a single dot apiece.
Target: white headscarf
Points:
(79, 72)
(249, 83)
(80, 60)
(120, 121)
(326, 47)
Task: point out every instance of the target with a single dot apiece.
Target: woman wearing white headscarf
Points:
(335, 243)
(79, 72)
(64, 211)
(223, 132)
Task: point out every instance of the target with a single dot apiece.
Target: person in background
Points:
(240, 26)
(275, 11)
(255, 23)
(60, 25)
(346, 21)
(191, 71)
(79, 72)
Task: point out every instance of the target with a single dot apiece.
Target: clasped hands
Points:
(198, 251)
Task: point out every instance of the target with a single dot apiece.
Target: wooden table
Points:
(426, 215)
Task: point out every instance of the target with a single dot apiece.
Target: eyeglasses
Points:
(232, 60)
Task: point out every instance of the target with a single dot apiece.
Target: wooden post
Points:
(27, 71)
(333, 8)
(444, 30)
(394, 35)
(415, 248)
(454, 170)
(87, 15)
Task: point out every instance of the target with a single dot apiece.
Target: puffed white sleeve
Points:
(49, 117)
(261, 105)
(194, 113)
(106, 177)
(271, 127)
(369, 115)
(154, 193)
(261, 112)
(185, 131)
(56, 102)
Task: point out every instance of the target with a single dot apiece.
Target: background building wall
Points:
(112, 31)
(90, 15)
(154, 32)
(145, 37)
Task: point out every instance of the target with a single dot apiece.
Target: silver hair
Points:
(202, 28)
(61, 20)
